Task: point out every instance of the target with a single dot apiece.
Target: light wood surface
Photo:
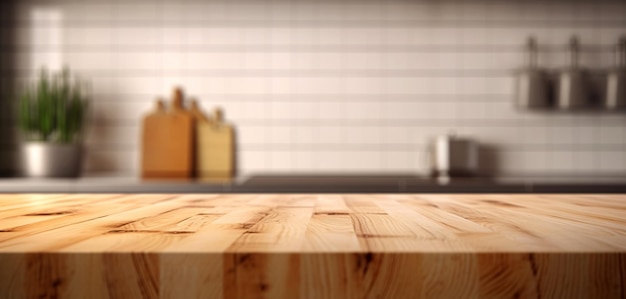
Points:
(312, 246)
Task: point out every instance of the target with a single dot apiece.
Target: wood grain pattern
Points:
(312, 246)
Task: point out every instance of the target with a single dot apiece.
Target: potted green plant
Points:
(51, 118)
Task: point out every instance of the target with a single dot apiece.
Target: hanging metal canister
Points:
(616, 79)
(532, 82)
(573, 89)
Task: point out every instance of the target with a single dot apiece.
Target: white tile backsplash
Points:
(247, 135)
(95, 61)
(254, 161)
(303, 160)
(334, 86)
(612, 135)
(561, 161)
(400, 161)
(282, 161)
(331, 134)
(280, 135)
(363, 111)
(612, 161)
(88, 37)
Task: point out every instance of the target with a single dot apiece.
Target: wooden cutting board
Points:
(215, 149)
(167, 139)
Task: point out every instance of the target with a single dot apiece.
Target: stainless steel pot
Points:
(41, 159)
(451, 156)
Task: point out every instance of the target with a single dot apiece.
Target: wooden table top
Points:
(266, 223)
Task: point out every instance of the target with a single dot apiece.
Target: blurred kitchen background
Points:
(348, 86)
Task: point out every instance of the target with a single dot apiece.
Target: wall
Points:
(335, 86)
(8, 138)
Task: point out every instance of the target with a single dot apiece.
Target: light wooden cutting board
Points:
(215, 150)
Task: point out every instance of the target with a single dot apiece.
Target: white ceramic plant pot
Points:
(43, 159)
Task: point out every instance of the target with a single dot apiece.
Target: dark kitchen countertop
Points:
(321, 184)
(424, 184)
